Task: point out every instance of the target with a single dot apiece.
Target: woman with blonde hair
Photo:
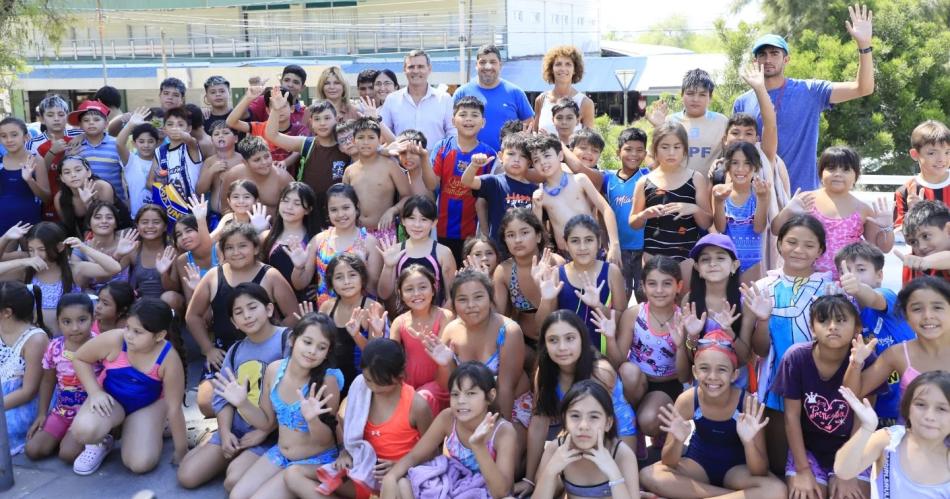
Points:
(562, 66)
(332, 86)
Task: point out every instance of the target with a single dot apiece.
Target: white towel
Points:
(364, 456)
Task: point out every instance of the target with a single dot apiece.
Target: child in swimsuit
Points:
(112, 307)
(481, 252)
(608, 467)
(141, 386)
(846, 218)
(423, 321)
(48, 433)
(293, 228)
(301, 396)
(151, 263)
(465, 426)
(385, 418)
(21, 353)
(566, 358)
(715, 462)
(104, 235)
(198, 253)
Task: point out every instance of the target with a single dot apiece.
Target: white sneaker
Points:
(91, 458)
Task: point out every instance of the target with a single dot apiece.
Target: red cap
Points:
(87, 105)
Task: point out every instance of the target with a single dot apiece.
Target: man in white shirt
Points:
(419, 106)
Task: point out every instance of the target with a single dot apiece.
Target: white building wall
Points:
(534, 26)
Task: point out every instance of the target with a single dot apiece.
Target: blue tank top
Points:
(568, 300)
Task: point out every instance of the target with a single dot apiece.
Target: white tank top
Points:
(546, 118)
(892, 483)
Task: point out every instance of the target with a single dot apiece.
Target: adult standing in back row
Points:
(799, 103)
(503, 100)
(562, 66)
(418, 106)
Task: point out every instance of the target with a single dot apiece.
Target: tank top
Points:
(146, 282)
(567, 299)
(12, 364)
(214, 261)
(14, 191)
(839, 232)
(892, 482)
(910, 373)
(740, 221)
(653, 352)
(225, 333)
(666, 235)
(716, 438)
(431, 262)
(395, 437)
(326, 252)
(420, 368)
(280, 260)
(52, 292)
(347, 353)
(455, 448)
(546, 117)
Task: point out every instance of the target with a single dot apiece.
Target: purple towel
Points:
(445, 478)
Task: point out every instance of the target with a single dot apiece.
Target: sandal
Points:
(91, 458)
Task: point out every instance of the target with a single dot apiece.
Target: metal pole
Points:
(625, 94)
(102, 50)
(462, 42)
(164, 57)
(6, 462)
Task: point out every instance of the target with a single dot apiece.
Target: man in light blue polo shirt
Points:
(504, 101)
(799, 103)
(418, 106)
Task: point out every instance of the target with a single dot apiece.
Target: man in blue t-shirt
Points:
(503, 100)
(799, 103)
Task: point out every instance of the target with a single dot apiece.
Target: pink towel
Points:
(364, 456)
(445, 477)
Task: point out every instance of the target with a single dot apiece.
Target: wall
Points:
(537, 25)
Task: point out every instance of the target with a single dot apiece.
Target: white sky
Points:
(632, 15)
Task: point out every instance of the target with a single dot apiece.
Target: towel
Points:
(364, 456)
(445, 477)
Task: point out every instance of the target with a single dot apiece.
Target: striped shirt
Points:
(933, 192)
(105, 163)
(35, 142)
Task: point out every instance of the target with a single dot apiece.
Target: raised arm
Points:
(234, 120)
(289, 143)
(860, 29)
(755, 77)
(122, 140)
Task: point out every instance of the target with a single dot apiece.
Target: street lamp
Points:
(625, 79)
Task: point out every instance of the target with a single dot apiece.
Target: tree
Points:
(21, 20)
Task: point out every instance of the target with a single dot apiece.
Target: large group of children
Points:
(379, 315)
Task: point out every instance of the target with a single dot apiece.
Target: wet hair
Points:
(308, 200)
(181, 113)
(940, 379)
(51, 235)
(408, 272)
(565, 103)
(173, 83)
(52, 101)
(569, 51)
(697, 290)
(149, 129)
(926, 213)
(322, 105)
(413, 135)
(12, 120)
(197, 119)
(153, 208)
(472, 241)
(839, 158)
(156, 316)
(488, 48)
(468, 102)
(294, 70)
(344, 191)
(423, 204)
(245, 184)
(526, 216)
(475, 372)
(327, 327)
(234, 229)
(251, 145)
(366, 76)
(807, 221)
(219, 125)
(585, 221)
(862, 250)
(516, 141)
(366, 123)
(216, 80)
(588, 135)
(291, 100)
(188, 221)
(123, 219)
(548, 373)
(354, 262)
(929, 133)
(833, 307)
(123, 296)
(75, 300)
(23, 301)
(698, 79)
(471, 275)
(384, 360)
(110, 96)
(252, 290)
(388, 73)
(510, 127)
(670, 128)
(632, 134)
(935, 284)
(595, 390)
(542, 142)
(742, 119)
(748, 150)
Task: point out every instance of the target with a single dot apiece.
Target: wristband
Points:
(614, 483)
(867, 50)
(529, 482)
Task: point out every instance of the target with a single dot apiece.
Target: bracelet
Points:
(887, 229)
(867, 50)
(614, 483)
(529, 482)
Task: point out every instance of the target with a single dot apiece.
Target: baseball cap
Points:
(87, 105)
(770, 40)
(718, 240)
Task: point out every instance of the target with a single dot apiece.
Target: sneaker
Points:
(89, 461)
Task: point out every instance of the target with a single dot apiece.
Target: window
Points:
(519, 15)
(537, 17)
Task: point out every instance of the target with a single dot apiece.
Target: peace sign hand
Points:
(315, 404)
(674, 424)
(860, 351)
(303, 308)
(227, 387)
(477, 264)
(750, 422)
(860, 25)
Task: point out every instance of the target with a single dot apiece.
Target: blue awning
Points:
(598, 73)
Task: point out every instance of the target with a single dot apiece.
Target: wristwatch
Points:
(867, 50)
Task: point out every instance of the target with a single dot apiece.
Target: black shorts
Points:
(673, 388)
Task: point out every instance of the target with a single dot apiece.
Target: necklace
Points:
(662, 324)
(561, 185)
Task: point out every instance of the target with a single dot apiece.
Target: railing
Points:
(330, 43)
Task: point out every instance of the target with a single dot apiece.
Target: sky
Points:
(634, 15)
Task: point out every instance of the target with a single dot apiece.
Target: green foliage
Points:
(736, 43)
(20, 19)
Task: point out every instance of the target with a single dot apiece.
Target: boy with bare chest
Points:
(225, 157)
(380, 184)
(564, 195)
(260, 169)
